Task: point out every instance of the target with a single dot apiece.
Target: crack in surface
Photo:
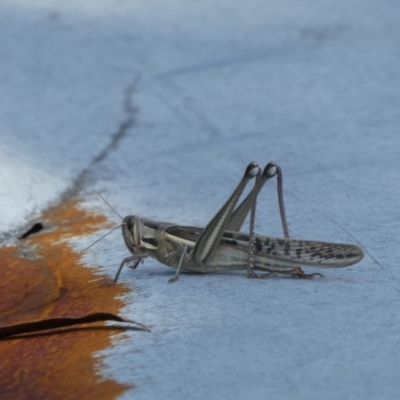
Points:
(83, 177)
(130, 111)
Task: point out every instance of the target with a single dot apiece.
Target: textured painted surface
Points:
(160, 106)
(55, 284)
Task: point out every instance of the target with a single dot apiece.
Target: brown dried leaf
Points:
(52, 323)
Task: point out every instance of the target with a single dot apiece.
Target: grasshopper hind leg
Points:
(250, 259)
(249, 205)
(209, 240)
(250, 202)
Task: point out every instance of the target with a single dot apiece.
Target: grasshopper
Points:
(220, 246)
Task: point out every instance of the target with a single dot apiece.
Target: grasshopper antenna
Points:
(98, 240)
(109, 205)
(112, 230)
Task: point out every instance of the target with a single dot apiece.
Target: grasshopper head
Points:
(130, 233)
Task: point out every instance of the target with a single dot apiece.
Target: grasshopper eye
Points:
(270, 170)
(129, 223)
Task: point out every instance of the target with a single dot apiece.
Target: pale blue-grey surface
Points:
(314, 86)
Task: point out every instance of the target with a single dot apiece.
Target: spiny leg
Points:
(209, 240)
(250, 203)
(176, 277)
(297, 271)
(269, 172)
(250, 259)
(250, 253)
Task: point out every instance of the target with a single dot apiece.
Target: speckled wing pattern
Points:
(289, 252)
(278, 252)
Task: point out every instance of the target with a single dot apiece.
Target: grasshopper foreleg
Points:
(137, 257)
